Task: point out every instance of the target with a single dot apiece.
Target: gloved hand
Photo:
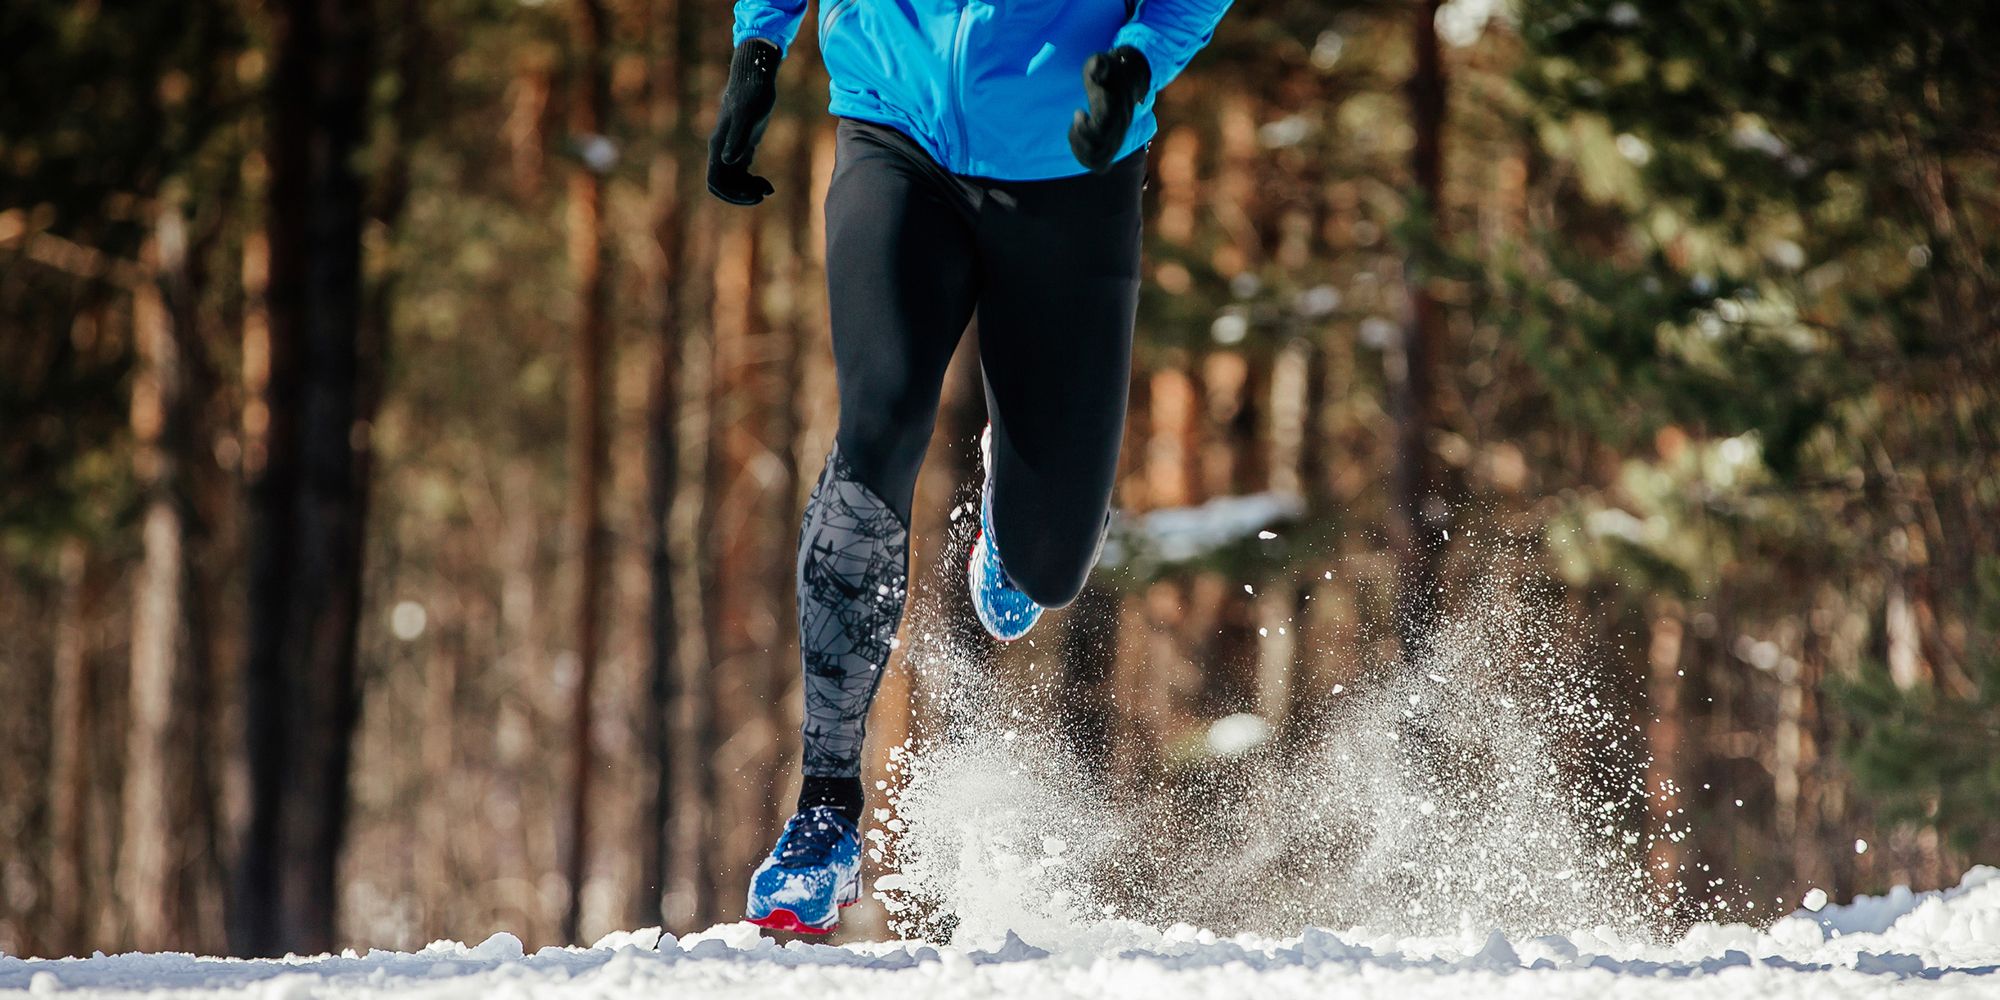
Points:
(1115, 82)
(747, 101)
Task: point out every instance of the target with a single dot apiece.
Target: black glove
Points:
(1115, 81)
(747, 101)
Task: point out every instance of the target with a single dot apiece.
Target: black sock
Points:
(843, 794)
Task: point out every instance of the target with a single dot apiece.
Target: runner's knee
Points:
(885, 428)
(1052, 566)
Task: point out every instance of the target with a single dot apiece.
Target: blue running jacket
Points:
(987, 87)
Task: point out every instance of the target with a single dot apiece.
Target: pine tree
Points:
(1807, 265)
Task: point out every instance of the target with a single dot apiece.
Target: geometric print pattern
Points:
(853, 578)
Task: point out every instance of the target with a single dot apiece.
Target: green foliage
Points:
(1834, 150)
(62, 470)
(104, 101)
(104, 104)
(1926, 755)
(1784, 230)
(1785, 259)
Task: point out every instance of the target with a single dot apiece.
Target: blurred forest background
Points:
(401, 454)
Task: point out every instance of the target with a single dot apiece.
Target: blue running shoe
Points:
(813, 872)
(1007, 613)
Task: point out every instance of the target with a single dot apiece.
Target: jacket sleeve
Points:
(1168, 33)
(775, 21)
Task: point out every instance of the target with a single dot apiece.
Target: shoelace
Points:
(810, 836)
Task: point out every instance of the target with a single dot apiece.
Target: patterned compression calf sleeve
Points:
(853, 575)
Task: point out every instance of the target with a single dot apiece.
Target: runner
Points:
(989, 163)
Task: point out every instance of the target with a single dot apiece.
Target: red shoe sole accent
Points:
(781, 919)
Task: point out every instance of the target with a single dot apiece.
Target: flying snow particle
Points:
(1378, 332)
(598, 153)
(1326, 50)
(1460, 22)
(1287, 131)
(1267, 535)
(1233, 735)
(1786, 254)
(1815, 900)
(1319, 300)
(1634, 149)
(1229, 328)
(1861, 847)
(407, 620)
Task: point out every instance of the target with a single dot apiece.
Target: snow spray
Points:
(1495, 784)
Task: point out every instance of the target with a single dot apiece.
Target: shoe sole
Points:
(972, 584)
(781, 919)
(971, 578)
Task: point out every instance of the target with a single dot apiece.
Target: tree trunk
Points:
(158, 795)
(1281, 603)
(309, 500)
(1666, 776)
(736, 287)
(437, 755)
(1418, 515)
(588, 454)
(1310, 623)
(673, 182)
(693, 791)
(1089, 645)
(1232, 464)
(791, 337)
(69, 760)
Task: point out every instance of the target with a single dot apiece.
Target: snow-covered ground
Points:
(1938, 944)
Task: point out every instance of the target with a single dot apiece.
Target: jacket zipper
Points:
(959, 141)
(832, 14)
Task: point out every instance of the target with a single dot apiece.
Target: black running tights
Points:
(914, 253)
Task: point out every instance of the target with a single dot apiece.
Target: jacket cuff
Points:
(746, 31)
(1149, 43)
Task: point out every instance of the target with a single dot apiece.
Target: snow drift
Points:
(1938, 943)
